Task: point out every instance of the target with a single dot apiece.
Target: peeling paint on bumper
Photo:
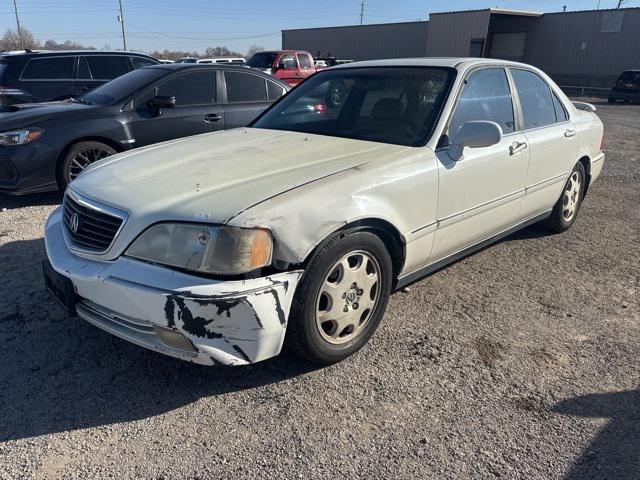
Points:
(231, 323)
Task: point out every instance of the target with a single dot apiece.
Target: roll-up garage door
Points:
(508, 46)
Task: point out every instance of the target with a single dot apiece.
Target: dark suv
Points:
(44, 146)
(627, 87)
(29, 77)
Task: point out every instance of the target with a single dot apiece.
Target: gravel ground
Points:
(520, 361)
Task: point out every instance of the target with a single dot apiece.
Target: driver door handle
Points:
(570, 133)
(212, 117)
(517, 147)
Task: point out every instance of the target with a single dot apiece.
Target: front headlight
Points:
(204, 248)
(19, 137)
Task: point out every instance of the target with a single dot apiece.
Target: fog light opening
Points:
(174, 339)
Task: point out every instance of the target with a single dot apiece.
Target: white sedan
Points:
(221, 247)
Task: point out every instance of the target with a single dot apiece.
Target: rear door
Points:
(49, 78)
(197, 108)
(246, 96)
(552, 139)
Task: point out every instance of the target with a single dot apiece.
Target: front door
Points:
(480, 194)
(553, 141)
(306, 65)
(197, 109)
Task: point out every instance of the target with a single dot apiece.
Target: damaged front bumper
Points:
(185, 316)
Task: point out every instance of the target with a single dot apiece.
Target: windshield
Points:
(120, 88)
(398, 105)
(262, 60)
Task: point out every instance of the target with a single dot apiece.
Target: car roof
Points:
(53, 53)
(450, 62)
(215, 66)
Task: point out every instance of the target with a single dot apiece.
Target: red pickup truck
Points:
(291, 66)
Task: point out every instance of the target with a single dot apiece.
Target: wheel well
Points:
(63, 153)
(586, 163)
(386, 231)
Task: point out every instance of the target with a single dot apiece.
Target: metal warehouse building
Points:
(586, 48)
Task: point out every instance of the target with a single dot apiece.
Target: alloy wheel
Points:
(348, 297)
(83, 159)
(571, 197)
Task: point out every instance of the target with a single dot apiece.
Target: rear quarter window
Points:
(55, 68)
(107, 67)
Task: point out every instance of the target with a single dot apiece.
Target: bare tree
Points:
(67, 45)
(254, 49)
(220, 52)
(11, 41)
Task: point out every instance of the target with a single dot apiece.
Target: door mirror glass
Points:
(474, 134)
(162, 101)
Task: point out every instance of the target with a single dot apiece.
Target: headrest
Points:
(387, 109)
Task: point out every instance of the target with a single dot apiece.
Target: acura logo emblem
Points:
(74, 222)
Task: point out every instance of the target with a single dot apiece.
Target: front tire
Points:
(568, 205)
(79, 157)
(341, 298)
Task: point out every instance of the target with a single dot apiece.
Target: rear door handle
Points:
(212, 117)
(517, 147)
(570, 133)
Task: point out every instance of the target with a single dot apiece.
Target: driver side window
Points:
(485, 96)
(287, 62)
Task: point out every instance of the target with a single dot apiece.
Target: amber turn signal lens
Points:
(261, 251)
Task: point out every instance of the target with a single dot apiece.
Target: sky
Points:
(190, 25)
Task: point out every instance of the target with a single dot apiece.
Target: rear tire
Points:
(341, 298)
(80, 156)
(568, 205)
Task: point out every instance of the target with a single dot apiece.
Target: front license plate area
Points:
(60, 288)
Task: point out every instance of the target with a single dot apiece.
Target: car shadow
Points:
(615, 451)
(60, 373)
(30, 200)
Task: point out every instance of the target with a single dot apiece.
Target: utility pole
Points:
(361, 11)
(121, 18)
(620, 2)
(15, 9)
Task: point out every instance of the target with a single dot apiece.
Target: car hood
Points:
(29, 114)
(213, 177)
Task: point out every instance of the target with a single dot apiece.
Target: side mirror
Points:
(162, 101)
(474, 134)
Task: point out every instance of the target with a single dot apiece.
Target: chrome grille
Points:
(89, 228)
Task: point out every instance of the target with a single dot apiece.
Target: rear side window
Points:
(485, 96)
(54, 68)
(536, 100)
(244, 87)
(139, 62)
(561, 112)
(303, 59)
(192, 88)
(105, 67)
(274, 91)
